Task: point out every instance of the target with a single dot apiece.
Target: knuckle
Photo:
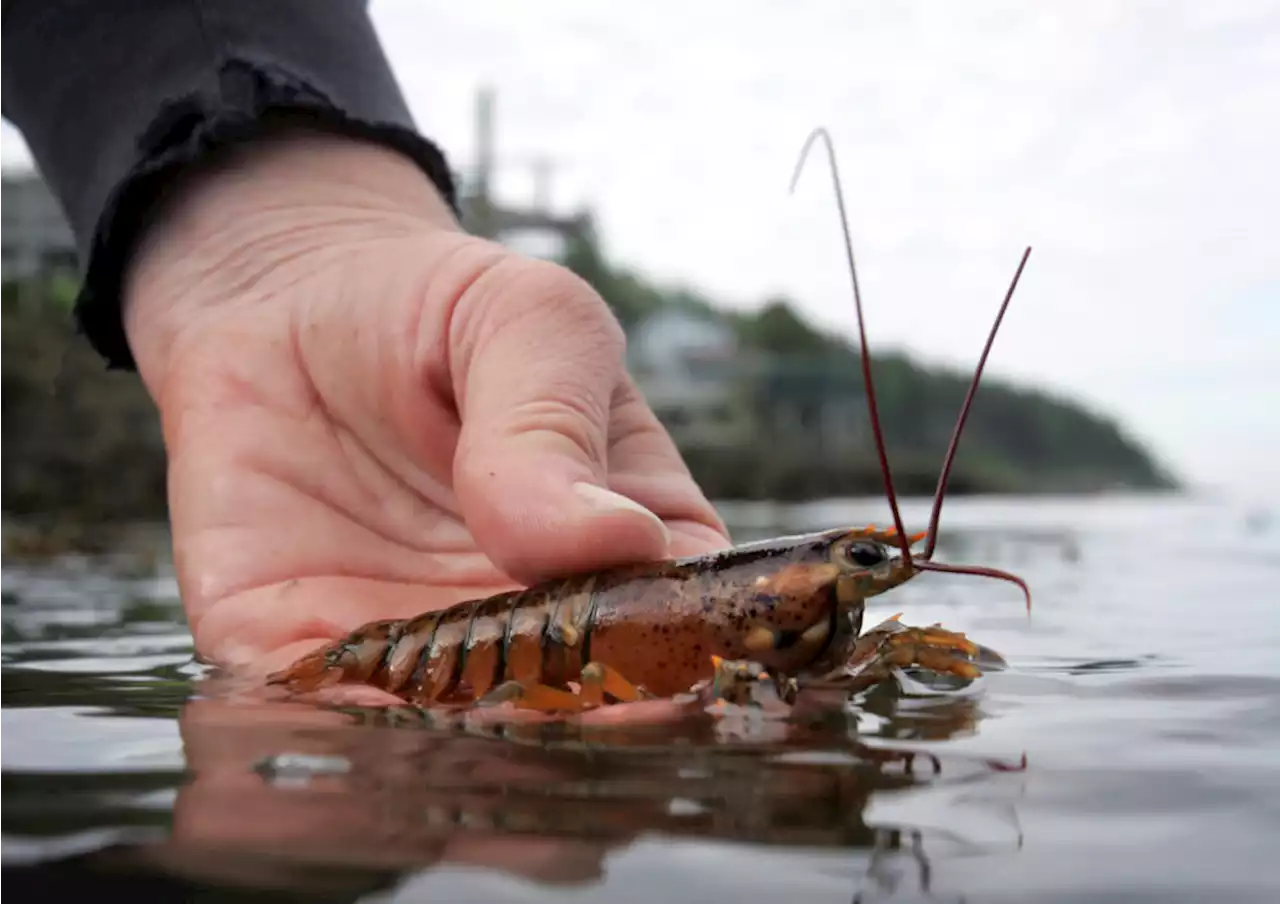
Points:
(548, 292)
(573, 418)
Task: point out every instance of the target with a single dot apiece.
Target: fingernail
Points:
(603, 500)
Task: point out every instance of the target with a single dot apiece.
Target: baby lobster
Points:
(793, 606)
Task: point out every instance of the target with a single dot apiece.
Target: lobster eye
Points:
(866, 554)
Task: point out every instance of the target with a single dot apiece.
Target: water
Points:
(1144, 693)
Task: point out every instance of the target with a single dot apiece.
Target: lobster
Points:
(788, 609)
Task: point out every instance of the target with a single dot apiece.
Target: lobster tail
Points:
(313, 671)
(358, 657)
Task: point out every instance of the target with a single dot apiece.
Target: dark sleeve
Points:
(114, 98)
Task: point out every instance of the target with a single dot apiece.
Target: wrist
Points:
(254, 219)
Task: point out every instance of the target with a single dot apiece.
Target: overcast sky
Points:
(1134, 145)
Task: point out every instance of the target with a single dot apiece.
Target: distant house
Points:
(35, 239)
(532, 228)
(688, 366)
(820, 403)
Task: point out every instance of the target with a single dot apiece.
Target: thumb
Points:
(536, 359)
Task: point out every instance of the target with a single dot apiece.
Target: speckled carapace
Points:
(791, 604)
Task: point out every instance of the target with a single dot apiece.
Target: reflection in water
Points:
(289, 796)
(378, 789)
(1149, 720)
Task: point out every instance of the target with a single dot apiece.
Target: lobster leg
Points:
(535, 696)
(598, 679)
(598, 683)
(744, 683)
(748, 684)
(892, 644)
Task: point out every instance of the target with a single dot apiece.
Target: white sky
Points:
(1128, 142)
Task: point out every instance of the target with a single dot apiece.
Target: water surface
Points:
(1144, 693)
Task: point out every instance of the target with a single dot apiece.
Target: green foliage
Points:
(630, 297)
(81, 442)
(1017, 439)
(84, 444)
(777, 329)
(63, 290)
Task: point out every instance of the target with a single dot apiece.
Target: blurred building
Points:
(821, 404)
(531, 231)
(35, 239)
(534, 228)
(38, 241)
(689, 368)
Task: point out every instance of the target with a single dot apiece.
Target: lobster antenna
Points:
(820, 132)
(932, 534)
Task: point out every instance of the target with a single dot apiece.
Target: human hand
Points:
(369, 414)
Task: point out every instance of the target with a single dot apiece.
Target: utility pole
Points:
(542, 167)
(487, 217)
(483, 204)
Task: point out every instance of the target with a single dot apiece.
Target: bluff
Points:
(83, 445)
(1017, 440)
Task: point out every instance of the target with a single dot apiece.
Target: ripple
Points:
(1149, 722)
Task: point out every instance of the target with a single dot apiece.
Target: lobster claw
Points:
(891, 646)
(988, 659)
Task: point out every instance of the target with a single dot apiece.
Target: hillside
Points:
(84, 444)
(1017, 439)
